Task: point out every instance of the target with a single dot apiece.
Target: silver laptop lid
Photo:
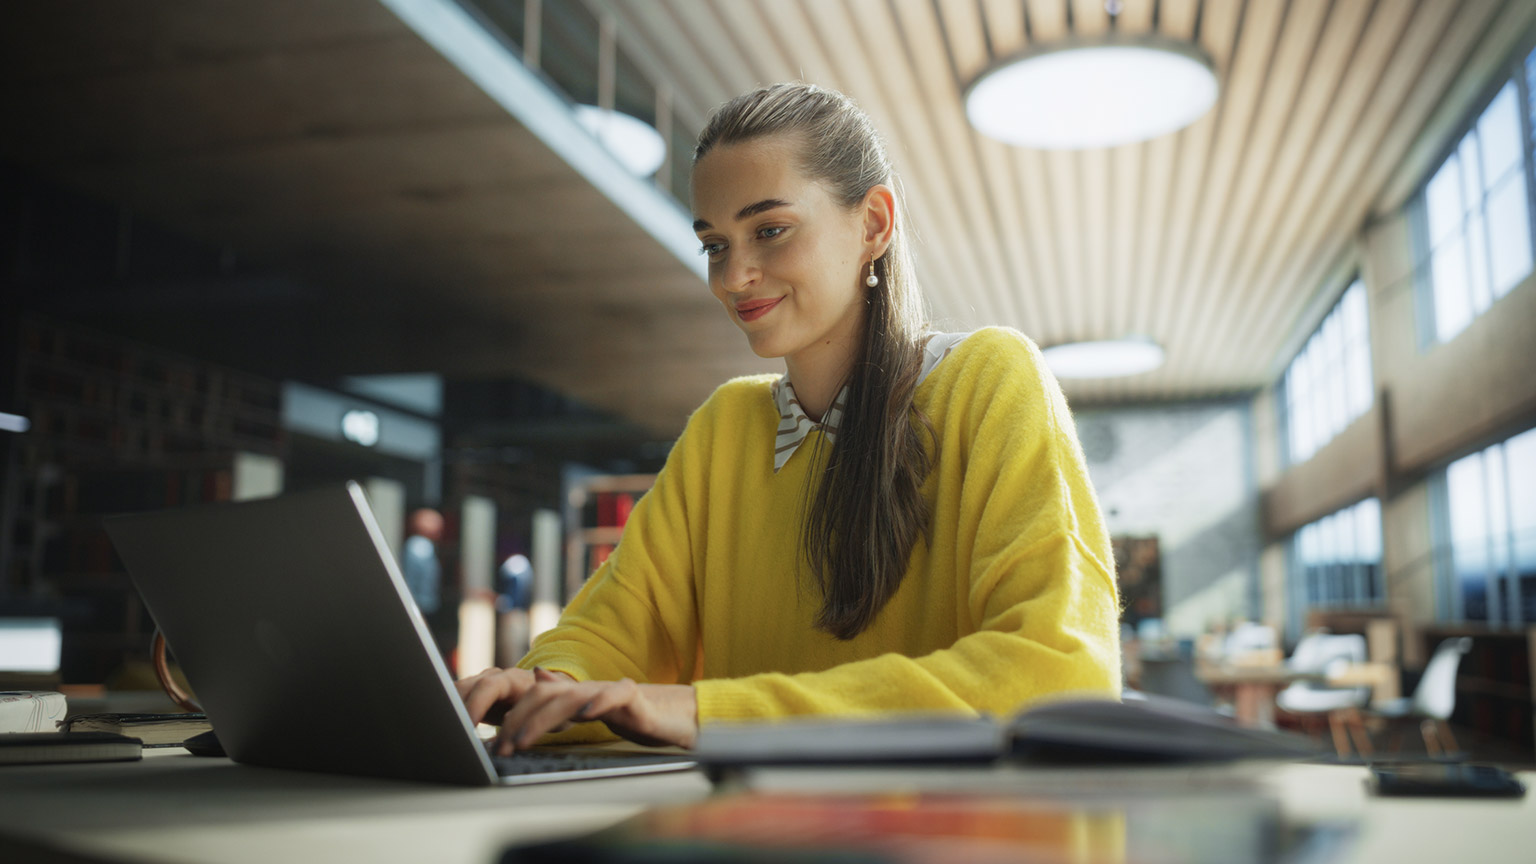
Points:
(295, 629)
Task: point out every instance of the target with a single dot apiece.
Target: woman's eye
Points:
(770, 233)
(711, 249)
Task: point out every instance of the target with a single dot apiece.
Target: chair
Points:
(1433, 700)
(1323, 655)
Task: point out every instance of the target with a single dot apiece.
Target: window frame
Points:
(1284, 395)
(1450, 600)
(1336, 578)
(1514, 70)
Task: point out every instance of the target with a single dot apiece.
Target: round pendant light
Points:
(635, 143)
(1080, 94)
(1109, 358)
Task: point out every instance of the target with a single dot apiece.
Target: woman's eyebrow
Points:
(745, 212)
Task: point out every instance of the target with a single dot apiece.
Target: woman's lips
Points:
(755, 309)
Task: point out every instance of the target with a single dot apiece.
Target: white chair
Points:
(1434, 699)
(1324, 655)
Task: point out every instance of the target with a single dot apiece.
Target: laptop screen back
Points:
(292, 623)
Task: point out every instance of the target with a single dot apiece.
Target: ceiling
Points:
(435, 232)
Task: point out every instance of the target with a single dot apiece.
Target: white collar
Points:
(794, 424)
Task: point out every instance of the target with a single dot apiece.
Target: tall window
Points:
(1490, 511)
(1338, 559)
(1329, 383)
(1475, 220)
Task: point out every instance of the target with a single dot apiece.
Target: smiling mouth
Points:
(756, 309)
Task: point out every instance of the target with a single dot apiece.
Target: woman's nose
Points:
(738, 272)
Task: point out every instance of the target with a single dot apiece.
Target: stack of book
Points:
(31, 710)
(30, 724)
(155, 730)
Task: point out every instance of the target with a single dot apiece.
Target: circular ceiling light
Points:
(632, 141)
(1109, 358)
(1079, 95)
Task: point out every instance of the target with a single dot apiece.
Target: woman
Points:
(901, 522)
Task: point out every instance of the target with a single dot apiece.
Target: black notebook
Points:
(36, 748)
(1149, 729)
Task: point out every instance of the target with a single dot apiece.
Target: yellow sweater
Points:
(1010, 598)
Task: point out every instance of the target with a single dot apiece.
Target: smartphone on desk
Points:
(1445, 780)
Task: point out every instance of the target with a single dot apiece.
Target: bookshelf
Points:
(116, 427)
(596, 510)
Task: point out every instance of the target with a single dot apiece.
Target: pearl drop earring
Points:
(872, 280)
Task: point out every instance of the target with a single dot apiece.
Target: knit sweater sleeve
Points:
(636, 616)
(1030, 543)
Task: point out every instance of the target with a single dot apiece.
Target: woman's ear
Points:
(879, 219)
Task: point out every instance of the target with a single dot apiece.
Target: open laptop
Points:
(291, 621)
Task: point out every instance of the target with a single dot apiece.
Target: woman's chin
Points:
(764, 347)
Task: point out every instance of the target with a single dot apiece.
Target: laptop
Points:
(290, 619)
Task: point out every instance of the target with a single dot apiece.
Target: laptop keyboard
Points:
(557, 762)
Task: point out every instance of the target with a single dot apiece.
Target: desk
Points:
(178, 808)
(1381, 677)
(1255, 686)
(1254, 689)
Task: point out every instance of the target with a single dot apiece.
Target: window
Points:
(1490, 519)
(1328, 385)
(1473, 218)
(1337, 559)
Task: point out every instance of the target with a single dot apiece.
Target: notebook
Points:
(292, 623)
(1140, 728)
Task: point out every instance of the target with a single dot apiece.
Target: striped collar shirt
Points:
(794, 425)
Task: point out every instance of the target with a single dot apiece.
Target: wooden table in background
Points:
(1254, 687)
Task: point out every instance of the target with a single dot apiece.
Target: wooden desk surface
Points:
(175, 807)
(1379, 676)
(1229, 674)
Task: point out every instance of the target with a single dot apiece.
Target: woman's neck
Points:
(818, 373)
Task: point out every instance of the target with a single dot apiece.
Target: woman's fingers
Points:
(475, 694)
(548, 706)
(620, 694)
(488, 695)
(465, 684)
(543, 702)
(547, 716)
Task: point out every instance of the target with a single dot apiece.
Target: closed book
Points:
(155, 730)
(896, 739)
(31, 710)
(1138, 729)
(36, 748)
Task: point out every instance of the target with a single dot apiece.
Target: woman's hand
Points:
(529, 704)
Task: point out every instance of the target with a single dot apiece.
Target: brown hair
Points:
(867, 513)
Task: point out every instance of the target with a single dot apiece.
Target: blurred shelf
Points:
(116, 427)
(596, 510)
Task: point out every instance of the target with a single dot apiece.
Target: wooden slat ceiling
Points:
(1215, 241)
(329, 140)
